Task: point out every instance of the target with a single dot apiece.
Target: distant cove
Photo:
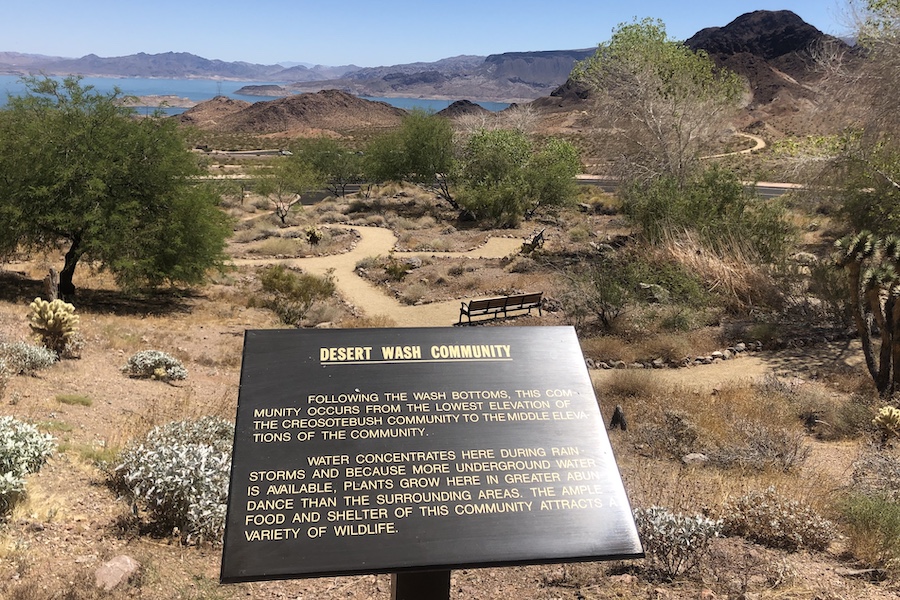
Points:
(200, 90)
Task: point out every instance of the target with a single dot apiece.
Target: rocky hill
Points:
(772, 50)
(328, 110)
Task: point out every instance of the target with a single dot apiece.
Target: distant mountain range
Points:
(770, 49)
(514, 76)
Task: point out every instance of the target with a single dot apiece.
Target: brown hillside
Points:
(328, 109)
(207, 115)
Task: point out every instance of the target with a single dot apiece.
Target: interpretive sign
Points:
(391, 450)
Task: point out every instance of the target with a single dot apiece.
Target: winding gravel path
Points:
(371, 300)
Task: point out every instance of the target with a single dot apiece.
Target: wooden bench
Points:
(500, 306)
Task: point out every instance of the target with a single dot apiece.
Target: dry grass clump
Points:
(368, 322)
(738, 280)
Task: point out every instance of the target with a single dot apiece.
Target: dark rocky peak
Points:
(763, 33)
(462, 107)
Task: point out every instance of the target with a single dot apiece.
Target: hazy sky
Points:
(361, 32)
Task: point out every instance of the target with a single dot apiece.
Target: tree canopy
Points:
(664, 98)
(420, 151)
(503, 176)
(79, 171)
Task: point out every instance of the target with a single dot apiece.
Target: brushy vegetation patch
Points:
(873, 529)
(771, 519)
(23, 450)
(179, 474)
(290, 294)
(26, 359)
(155, 364)
(675, 544)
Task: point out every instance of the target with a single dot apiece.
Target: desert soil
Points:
(72, 523)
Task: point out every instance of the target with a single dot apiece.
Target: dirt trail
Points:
(371, 300)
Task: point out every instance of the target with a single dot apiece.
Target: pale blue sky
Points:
(361, 32)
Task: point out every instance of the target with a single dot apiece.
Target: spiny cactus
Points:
(888, 422)
(55, 322)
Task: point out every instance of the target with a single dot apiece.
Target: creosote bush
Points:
(23, 450)
(290, 295)
(153, 364)
(179, 474)
(772, 520)
(675, 544)
(54, 322)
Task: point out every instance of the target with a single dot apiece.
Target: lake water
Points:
(199, 90)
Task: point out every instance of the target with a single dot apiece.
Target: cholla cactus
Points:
(55, 322)
(888, 422)
(313, 235)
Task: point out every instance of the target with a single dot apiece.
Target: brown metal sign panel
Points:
(390, 450)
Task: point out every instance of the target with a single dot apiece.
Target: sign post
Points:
(413, 451)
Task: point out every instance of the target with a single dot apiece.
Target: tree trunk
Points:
(51, 285)
(895, 349)
(66, 287)
(862, 326)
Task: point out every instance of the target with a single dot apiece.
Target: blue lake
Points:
(205, 89)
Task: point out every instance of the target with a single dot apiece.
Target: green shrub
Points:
(714, 205)
(55, 323)
(23, 450)
(674, 544)
(27, 359)
(772, 520)
(290, 295)
(153, 364)
(873, 527)
(179, 474)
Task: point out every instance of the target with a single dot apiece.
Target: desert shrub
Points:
(414, 293)
(676, 436)
(716, 207)
(290, 295)
(6, 373)
(456, 270)
(876, 472)
(674, 544)
(179, 474)
(23, 450)
(55, 323)
(772, 520)
(873, 529)
(366, 322)
(154, 364)
(522, 264)
(26, 359)
(396, 269)
(756, 446)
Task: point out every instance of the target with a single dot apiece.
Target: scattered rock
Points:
(695, 458)
(114, 572)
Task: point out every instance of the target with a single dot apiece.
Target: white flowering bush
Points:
(772, 520)
(23, 450)
(675, 544)
(179, 474)
(153, 364)
(26, 359)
